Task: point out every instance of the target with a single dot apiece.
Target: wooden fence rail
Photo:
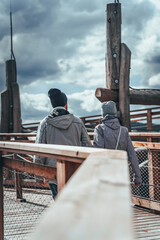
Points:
(98, 160)
(87, 206)
(145, 114)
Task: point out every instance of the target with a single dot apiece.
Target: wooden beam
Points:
(61, 175)
(150, 145)
(62, 152)
(87, 205)
(64, 171)
(153, 174)
(124, 98)
(113, 32)
(137, 96)
(31, 168)
(153, 205)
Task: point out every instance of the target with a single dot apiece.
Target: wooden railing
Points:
(146, 114)
(90, 196)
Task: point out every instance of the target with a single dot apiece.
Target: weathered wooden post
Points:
(117, 62)
(118, 71)
(113, 37)
(153, 174)
(10, 100)
(124, 99)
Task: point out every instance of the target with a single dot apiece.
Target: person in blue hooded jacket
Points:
(111, 135)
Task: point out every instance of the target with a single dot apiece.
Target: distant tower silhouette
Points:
(10, 98)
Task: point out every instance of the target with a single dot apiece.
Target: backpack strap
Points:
(118, 138)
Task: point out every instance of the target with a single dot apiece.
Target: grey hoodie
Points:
(106, 135)
(63, 130)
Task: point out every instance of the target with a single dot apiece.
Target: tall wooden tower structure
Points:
(10, 97)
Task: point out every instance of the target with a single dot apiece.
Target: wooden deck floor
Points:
(20, 218)
(146, 224)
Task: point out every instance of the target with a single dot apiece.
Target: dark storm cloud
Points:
(154, 59)
(47, 31)
(56, 26)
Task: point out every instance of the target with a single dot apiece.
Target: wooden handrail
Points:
(61, 152)
(144, 109)
(90, 197)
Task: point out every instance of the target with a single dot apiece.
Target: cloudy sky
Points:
(62, 44)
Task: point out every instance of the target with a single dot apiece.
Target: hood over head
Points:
(109, 110)
(112, 123)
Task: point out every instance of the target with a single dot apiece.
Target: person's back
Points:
(111, 135)
(60, 127)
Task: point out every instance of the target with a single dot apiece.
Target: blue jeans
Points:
(53, 188)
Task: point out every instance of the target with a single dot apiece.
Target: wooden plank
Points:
(149, 120)
(146, 203)
(137, 134)
(96, 192)
(18, 135)
(64, 171)
(150, 145)
(50, 150)
(153, 174)
(142, 97)
(113, 35)
(61, 175)
(145, 134)
(144, 109)
(26, 183)
(124, 99)
(31, 168)
(18, 186)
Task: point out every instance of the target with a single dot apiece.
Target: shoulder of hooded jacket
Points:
(43, 123)
(99, 126)
(77, 120)
(125, 129)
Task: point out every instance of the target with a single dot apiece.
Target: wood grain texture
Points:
(94, 204)
(113, 36)
(137, 96)
(124, 98)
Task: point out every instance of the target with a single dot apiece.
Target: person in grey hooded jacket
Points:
(111, 135)
(60, 127)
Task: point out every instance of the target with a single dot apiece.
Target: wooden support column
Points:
(154, 175)
(113, 31)
(7, 173)
(61, 175)
(124, 101)
(64, 171)
(149, 120)
(1, 199)
(11, 112)
(18, 185)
